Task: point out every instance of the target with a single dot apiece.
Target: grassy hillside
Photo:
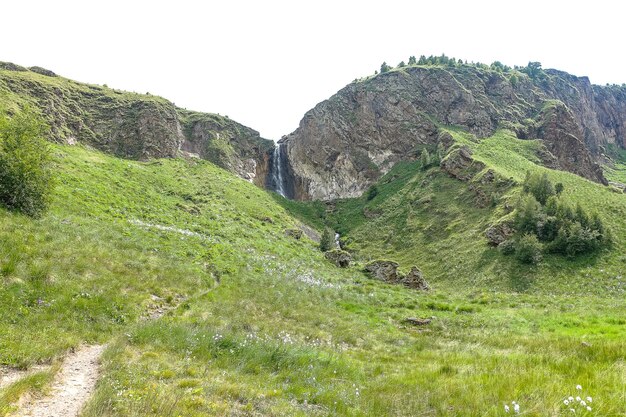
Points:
(437, 222)
(285, 332)
(126, 124)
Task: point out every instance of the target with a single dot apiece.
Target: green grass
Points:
(617, 172)
(285, 333)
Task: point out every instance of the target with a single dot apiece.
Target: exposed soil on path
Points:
(72, 386)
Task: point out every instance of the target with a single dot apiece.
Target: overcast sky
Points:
(265, 63)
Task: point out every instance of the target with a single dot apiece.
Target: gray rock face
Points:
(347, 142)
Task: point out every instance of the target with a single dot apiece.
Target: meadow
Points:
(257, 322)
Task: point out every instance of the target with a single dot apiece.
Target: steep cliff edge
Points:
(131, 125)
(348, 141)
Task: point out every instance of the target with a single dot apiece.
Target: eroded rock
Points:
(339, 257)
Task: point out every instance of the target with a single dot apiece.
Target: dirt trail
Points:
(72, 386)
(9, 375)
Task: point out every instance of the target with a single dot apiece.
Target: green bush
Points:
(327, 242)
(539, 186)
(372, 192)
(507, 247)
(528, 249)
(25, 164)
(541, 213)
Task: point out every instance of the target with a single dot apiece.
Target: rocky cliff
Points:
(348, 141)
(130, 125)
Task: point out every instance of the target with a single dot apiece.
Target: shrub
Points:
(528, 249)
(558, 188)
(25, 164)
(527, 215)
(507, 247)
(425, 159)
(539, 186)
(372, 192)
(327, 241)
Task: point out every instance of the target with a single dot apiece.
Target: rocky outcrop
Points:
(415, 279)
(387, 271)
(460, 164)
(562, 137)
(226, 143)
(347, 142)
(130, 125)
(339, 257)
(498, 233)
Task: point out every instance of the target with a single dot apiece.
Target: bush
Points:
(425, 159)
(372, 192)
(527, 215)
(528, 249)
(327, 242)
(25, 164)
(507, 247)
(539, 186)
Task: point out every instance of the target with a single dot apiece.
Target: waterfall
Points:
(277, 176)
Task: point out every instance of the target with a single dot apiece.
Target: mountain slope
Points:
(347, 142)
(438, 222)
(130, 125)
(285, 332)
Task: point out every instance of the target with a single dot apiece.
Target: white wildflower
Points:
(579, 387)
(589, 399)
(571, 398)
(588, 408)
(516, 408)
(506, 408)
(583, 403)
(565, 402)
(578, 399)
(572, 410)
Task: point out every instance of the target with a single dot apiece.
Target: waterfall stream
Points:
(277, 176)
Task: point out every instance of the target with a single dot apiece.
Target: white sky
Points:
(265, 63)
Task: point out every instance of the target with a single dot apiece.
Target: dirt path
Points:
(72, 386)
(8, 375)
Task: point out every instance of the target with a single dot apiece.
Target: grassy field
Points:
(260, 324)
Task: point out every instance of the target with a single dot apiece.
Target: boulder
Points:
(339, 257)
(294, 233)
(415, 279)
(386, 271)
(498, 233)
(460, 164)
(417, 322)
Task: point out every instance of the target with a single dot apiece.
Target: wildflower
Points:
(506, 408)
(588, 408)
(584, 404)
(572, 410)
(578, 399)
(579, 387)
(571, 398)
(589, 399)
(516, 408)
(565, 402)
